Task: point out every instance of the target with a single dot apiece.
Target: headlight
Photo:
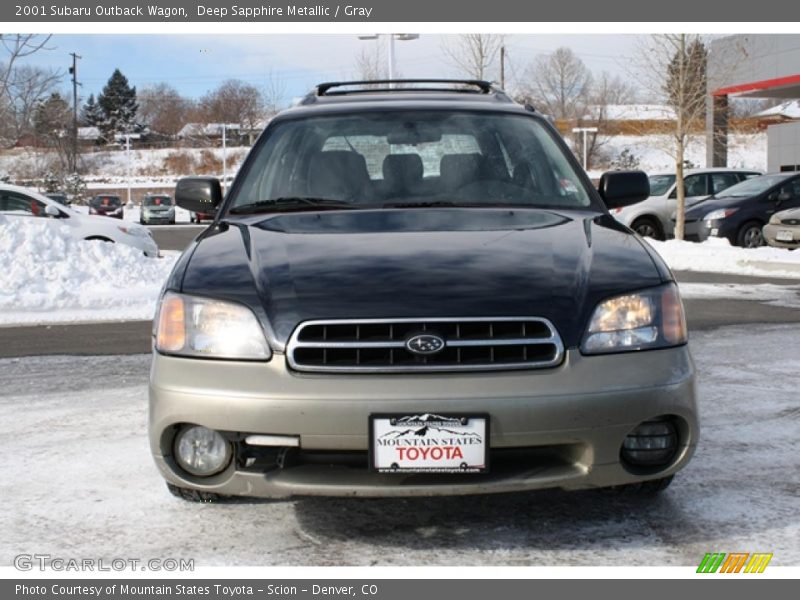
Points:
(135, 231)
(722, 213)
(649, 319)
(202, 327)
(775, 219)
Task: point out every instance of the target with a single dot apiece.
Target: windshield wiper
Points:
(290, 203)
(423, 204)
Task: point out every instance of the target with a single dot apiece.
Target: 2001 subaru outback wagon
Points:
(412, 288)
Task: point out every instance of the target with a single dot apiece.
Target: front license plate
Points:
(714, 231)
(784, 235)
(429, 443)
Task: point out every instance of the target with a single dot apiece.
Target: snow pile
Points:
(716, 255)
(49, 276)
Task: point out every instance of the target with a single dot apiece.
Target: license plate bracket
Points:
(429, 442)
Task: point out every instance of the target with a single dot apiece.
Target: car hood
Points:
(420, 263)
(789, 213)
(157, 208)
(698, 211)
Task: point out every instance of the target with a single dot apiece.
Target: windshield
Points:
(157, 201)
(660, 184)
(752, 187)
(408, 158)
(112, 201)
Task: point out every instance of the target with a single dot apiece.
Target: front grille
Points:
(470, 344)
(790, 222)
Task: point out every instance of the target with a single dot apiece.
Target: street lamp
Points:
(584, 130)
(128, 137)
(402, 37)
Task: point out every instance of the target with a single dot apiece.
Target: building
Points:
(754, 66)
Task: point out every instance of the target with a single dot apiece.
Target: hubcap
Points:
(646, 230)
(752, 238)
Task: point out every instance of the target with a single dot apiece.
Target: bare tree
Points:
(558, 84)
(673, 66)
(162, 109)
(234, 101)
(371, 62)
(473, 54)
(21, 86)
(274, 93)
(606, 91)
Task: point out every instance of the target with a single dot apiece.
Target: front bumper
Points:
(770, 232)
(569, 421)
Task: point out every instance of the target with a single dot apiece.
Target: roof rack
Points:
(484, 87)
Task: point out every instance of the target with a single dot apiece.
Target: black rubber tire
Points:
(744, 239)
(648, 227)
(194, 495)
(645, 488)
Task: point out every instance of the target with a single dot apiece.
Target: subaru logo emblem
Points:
(424, 344)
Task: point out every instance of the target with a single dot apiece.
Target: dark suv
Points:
(412, 288)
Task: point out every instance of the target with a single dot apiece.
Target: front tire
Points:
(750, 235)
(648, 227)
(645, 488)
(194, 495)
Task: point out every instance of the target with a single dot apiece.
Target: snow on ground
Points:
(745, 151)
(49, 276)
(716, 255)
(83, 486)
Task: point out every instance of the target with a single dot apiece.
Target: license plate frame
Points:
(474, 456)
(784, 235)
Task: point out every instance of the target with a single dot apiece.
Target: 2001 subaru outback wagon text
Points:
(412, 289)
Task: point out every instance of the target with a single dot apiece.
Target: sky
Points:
(195, 64)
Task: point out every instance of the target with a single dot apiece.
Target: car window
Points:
(695, 185)
(722, 181)
(18, 204)
(660, 184)
(415, 157)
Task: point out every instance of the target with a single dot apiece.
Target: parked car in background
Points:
(740, 212)
(199, 217)
(106, 205)
(652, 218)
(157, 208)
(23, 203)
(783, 229)
(62, 199)
(417, 292)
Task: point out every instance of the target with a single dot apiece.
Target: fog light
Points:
(201, 451)
(651, 444)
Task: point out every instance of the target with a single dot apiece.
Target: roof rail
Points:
(483, 87)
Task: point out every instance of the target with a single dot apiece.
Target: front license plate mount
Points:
(432, 442)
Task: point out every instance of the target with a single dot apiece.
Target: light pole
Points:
(585, 130)
(225, 127)
(128, 137)
(402, 37)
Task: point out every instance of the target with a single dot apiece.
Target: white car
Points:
(24, 203)
(652, 217)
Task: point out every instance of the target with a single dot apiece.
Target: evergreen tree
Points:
(91, 113)
(687, 94)
(118, 104)
(52, 116)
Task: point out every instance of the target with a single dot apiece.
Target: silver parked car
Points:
(652, 218)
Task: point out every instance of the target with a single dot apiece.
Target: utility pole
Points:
(503, 67)
(73, 70)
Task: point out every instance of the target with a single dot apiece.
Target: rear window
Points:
(112, 201)
(158, 201)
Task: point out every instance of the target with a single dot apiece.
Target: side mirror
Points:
(198, 194)
(52, 211)
(623, 188)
